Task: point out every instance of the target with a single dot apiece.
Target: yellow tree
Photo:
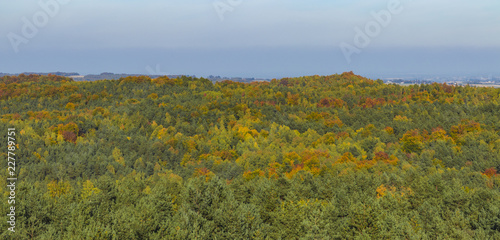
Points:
(118, 156)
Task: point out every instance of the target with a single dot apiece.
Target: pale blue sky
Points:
(272, 38)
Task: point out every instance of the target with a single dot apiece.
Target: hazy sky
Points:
(251, 38)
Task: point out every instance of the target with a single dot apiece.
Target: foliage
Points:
(316, 157)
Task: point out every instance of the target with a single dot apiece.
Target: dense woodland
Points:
(317, 157)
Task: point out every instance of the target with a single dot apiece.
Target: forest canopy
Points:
(315, 157)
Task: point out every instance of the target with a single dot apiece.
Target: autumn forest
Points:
(316, 157)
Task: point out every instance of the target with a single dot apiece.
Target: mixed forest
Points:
(316, 157)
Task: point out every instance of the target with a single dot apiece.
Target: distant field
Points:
(486, 85)
(473, 85)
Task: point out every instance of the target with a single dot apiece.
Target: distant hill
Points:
(114, 76)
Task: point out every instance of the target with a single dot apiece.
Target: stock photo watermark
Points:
(156, 72)
(372, 29)
(224, 6)
(31, 26)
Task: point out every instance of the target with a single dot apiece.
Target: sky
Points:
(257, 38)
